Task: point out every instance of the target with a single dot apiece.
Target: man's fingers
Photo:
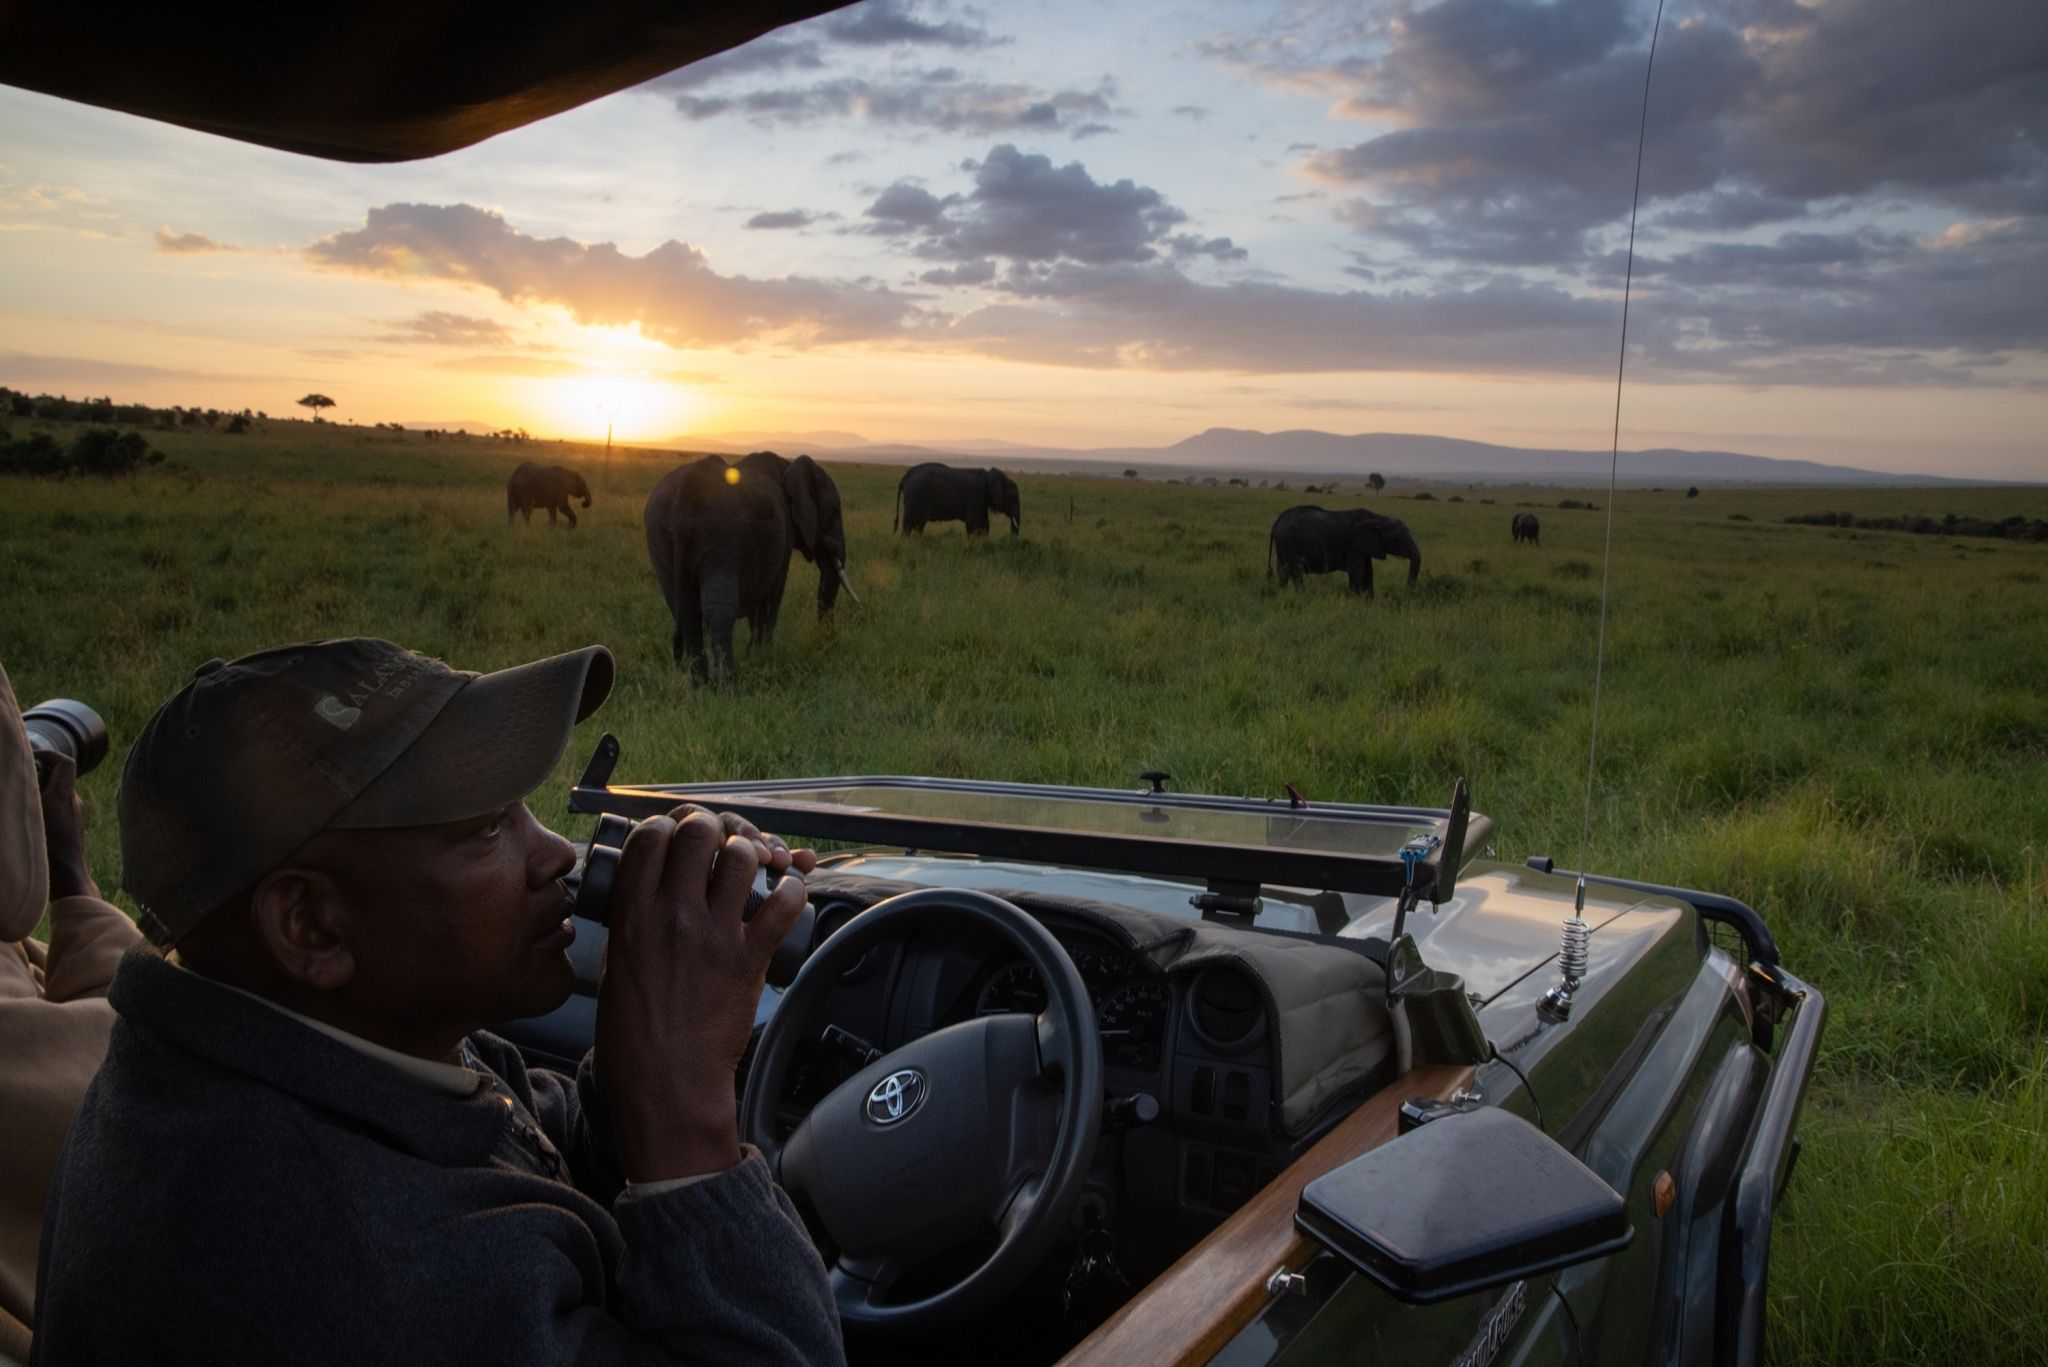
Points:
(686, 868)
(733, 877)
(638, 878)
(61, 773)
(803, 859)
(777, 914)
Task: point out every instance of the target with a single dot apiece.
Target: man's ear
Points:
(299, 916)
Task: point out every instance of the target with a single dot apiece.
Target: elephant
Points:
(544, 486)
(1526, 528)
(719, 536)
(939, 493)
(1315, 540)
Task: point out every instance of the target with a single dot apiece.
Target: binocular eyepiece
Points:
(601, 868)
(69, 728)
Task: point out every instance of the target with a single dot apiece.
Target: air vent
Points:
(833, 914)
(1224, 1010)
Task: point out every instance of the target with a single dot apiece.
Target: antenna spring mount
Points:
(1573, 945)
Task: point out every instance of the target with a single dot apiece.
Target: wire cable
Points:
(1614, 451)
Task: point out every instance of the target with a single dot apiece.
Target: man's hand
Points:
(64, 828)
(682, 976)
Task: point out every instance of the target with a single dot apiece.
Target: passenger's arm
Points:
(88, 935)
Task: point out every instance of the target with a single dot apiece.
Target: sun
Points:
(623, 405)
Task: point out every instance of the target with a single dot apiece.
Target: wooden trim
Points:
(1219, 1286)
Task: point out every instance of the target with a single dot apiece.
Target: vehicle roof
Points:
(379, 80)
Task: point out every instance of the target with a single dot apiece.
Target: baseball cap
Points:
(255, 756)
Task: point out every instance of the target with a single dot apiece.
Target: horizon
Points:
(1082, 230)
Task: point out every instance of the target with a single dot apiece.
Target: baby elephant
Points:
(544, 486)
(1526, 529)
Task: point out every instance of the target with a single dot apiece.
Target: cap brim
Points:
(493, 743)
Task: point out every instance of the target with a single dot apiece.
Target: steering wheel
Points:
(987, 1126)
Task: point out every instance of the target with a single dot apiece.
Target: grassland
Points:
(1848, 729)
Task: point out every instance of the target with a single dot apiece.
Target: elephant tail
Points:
(896, 516)
(1269, 555)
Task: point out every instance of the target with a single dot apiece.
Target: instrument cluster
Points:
(1132, 1009)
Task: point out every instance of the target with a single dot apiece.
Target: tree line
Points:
(2014, 528)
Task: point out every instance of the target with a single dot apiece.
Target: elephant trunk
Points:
(1414, 566)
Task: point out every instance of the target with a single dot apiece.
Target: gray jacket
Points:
(239, 1188)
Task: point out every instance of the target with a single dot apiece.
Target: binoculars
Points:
(593, 896)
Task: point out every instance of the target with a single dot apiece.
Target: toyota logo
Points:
(896, 1096)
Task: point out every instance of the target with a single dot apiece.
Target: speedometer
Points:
(1132, 1023)
(1016, 988)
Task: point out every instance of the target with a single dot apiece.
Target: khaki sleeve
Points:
(24, 867)
(87, 939)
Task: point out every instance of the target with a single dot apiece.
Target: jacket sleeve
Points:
(719, 1270)
(723, 1271)
(87, 939)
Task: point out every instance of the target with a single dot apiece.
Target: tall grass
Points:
(1846, 728)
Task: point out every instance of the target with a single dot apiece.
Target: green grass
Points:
(1846, 728)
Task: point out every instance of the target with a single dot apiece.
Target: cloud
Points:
(941, 100)
(555, 368)
(892, 23)
(978, 272)
(781, 218)
(23, 369)
(1787, 192)
(43, 207)
(671, 292)
(805, 47)
(440, 328)
(190, 244)
(1026, 210)
(1858, 306)
(1514, 121)
(1054, 267)
(1153, 317)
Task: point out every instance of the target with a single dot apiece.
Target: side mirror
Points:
(1473, 1200)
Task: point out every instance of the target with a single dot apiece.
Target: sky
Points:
(1086, 225)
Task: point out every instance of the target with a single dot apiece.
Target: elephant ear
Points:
(800, 486)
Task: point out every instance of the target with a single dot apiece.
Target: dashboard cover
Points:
(1325, 1003)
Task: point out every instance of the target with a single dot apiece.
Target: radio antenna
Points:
(1614, 456)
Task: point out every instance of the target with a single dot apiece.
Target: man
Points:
(54, 1016)
(301, 1150)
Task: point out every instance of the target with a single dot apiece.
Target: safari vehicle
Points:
(1146, 1076)
(1137, 1076)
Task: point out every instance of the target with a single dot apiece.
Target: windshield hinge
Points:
(1234, 903)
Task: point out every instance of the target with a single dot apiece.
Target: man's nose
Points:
(553, 856)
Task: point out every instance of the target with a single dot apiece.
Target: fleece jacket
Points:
(240, 1188)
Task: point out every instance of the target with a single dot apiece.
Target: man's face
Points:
(453, 927)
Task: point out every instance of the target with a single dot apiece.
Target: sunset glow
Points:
(1084, 226)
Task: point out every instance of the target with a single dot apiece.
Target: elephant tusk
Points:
(847, 582)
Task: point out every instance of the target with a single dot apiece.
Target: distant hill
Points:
(1396, 455)
(1411, 456)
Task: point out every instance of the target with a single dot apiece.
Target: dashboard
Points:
(1133, 1006)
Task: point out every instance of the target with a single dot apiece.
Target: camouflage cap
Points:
(257, 755)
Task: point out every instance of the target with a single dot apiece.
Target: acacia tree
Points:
(316, 402)
(1377, 480)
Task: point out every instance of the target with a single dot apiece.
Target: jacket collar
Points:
(242, 1034)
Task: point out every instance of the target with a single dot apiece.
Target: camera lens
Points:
(71, 729)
